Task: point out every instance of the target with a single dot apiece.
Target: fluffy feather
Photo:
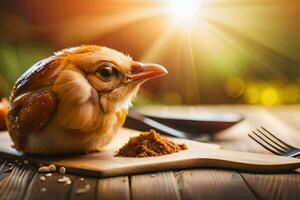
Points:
(87, 105)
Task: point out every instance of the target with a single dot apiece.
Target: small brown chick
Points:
(74, 101)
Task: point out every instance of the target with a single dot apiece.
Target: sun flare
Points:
(183, 12)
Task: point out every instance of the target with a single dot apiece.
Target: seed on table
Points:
(48, 174)
(42, 178)
(44, 169)
(52, 168)
(63, 179)
(62, 170)
(83, 190)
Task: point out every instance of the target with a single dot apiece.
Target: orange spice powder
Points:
(149, 144)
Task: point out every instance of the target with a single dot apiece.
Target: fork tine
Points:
(270, 143)
(273, 140)
(263, 145)
(289, 146)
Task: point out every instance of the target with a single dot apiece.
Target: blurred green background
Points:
(237, 51)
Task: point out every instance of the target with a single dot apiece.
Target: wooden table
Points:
(23, 181)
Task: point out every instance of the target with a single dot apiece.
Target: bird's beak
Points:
(140, 71)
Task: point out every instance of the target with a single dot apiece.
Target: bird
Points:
(75, 101)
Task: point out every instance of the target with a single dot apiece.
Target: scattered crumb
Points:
(26, 162)
(42, 178)
(20, 163)
(65, 179)
(62, 180)
(124, 180)
(16, 161)
(10, 164)
(152, 175)
(44, 169)
(83, 190)
(52, 168)
(48, 174)
(81, 179)
(43, 189)
(62, 170)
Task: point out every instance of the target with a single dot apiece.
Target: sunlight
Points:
(184, 12)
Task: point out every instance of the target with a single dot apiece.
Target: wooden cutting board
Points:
(104, 164)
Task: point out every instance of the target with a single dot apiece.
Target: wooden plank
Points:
(48, 189)
(272, 187)
(186, 186)
(288, 114)
(154, 186)
(104, 164)
(113, 188)
(266, 189)
(15, 185)
(212, 184)
(83, 188)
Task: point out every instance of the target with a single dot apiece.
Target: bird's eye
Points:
(107, 72)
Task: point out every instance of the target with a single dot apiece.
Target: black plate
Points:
(202, 123)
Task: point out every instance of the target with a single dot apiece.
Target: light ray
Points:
(155, 51)
(93, 26)
(256, 50)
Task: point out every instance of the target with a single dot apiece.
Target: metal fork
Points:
(272, 143)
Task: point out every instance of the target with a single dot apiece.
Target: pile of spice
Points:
(149, 144)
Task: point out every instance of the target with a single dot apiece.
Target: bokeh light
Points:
(252, 95)
(290, 93)
(234, 87)
(270, 96)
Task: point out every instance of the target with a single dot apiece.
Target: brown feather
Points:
(61, 104)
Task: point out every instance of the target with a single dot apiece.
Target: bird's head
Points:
(100, 75)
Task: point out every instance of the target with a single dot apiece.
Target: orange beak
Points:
(140, 71)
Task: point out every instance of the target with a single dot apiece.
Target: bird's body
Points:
(74, 101)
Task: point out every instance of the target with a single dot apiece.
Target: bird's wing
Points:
(32, 102)
(29, 113)
(40, 75)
